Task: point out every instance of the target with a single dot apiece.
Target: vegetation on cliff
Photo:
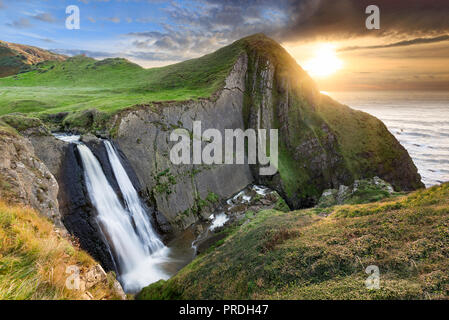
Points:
(34, 258)
(323, 143)
(323, 253)
(34, 254)
(81, 83)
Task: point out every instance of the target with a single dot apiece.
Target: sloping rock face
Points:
(25, 178)
(322, 144)
(180, 192)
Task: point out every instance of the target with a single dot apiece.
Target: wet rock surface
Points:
(79, 215)
(234, 211)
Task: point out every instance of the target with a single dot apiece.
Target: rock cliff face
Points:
(25, 178)
(322, 144)
(180, 192)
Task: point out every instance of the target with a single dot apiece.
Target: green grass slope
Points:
(323, 254)
(81, 83)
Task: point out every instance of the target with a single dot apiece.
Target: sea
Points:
(418, 120)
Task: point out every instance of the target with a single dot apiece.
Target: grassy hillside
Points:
(34, 258)
(323, 254)
(83, 83)
(17, 58)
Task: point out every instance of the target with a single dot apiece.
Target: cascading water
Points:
(133, 203)
(136, 247)
(139, 255)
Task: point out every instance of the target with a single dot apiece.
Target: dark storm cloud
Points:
(400, 43)
(346, 18)
(205, 25)
(305, 19)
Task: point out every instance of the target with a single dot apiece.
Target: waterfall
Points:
(136, 247)
(133, 203)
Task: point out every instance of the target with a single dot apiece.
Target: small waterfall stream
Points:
(136, 247)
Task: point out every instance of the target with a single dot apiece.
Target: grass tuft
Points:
(34, 258)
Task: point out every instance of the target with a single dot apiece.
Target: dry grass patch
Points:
(34, 258)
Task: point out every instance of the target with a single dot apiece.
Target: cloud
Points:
(113, 19)
(196, 27)
(202, 26)
(400, 43)
(45, 17)
(346, 18)
(2, 6)
(20, 24)
(88, 53)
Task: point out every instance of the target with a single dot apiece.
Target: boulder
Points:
(361, 191)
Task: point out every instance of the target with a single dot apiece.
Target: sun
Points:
(325, 62)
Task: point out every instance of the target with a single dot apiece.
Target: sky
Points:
(328, 38)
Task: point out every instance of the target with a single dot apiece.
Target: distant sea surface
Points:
(419, 120)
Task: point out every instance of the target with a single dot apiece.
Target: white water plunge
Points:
(137, 248)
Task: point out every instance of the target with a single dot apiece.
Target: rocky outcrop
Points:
(323, 144)
(361, 191)
(25, 178)
(94, 276)
(178, 190)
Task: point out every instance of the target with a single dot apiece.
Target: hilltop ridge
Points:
(16, 58)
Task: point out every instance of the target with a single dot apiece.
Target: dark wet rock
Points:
(79, 215)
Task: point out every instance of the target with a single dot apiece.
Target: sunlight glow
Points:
(325, 62)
